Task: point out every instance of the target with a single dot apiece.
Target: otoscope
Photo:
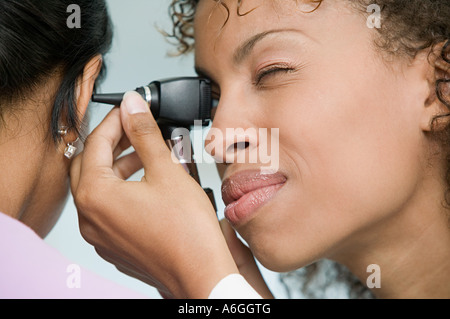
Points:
(175, 103)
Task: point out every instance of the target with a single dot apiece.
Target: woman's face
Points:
(347, 121)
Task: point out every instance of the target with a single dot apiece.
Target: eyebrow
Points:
(246, 48)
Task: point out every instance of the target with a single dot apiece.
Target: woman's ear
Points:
(84, 89)
(437, 106)
(85, 85)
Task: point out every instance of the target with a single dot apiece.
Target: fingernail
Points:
(134, 103)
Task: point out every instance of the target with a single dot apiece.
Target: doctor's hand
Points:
(162, 230)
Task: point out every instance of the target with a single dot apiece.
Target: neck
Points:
(33, 173)
(411, 248)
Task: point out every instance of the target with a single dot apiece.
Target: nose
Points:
(232, 138)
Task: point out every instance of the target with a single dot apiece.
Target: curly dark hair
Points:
(409, 28)
(409, 25)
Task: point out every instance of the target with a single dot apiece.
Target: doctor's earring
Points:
(70, 149)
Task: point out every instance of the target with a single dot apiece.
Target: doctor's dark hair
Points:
(36, 43)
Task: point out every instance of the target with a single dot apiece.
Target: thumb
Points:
(143, 132)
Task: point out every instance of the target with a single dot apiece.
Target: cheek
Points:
(349, 136)
(354, 157)
(359, 145)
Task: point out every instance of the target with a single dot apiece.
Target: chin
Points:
(277, 260)
(277, 252)
(282, 245)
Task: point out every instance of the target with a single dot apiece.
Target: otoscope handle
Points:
(184, 152)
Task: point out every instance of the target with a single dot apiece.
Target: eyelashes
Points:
(263, 75)
(270, 71)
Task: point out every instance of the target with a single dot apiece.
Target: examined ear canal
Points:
(86, 83)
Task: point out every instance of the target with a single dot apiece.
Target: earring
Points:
(63, 130)
(70, 149)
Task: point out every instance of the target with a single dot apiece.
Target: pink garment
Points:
(31, 269)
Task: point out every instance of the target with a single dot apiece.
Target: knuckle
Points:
(87, 232)
(84, 198)
(87, 204)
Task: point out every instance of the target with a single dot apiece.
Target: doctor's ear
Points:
(438, 104)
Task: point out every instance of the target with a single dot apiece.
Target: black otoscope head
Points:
(180, 101)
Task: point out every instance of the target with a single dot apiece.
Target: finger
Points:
(123, 145)
(165, 294)
(245, 261)
(100, 145)
(144, 133)
(127, 165)
(75, 169)
(241, 254)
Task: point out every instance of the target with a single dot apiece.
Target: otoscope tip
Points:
(113, 99)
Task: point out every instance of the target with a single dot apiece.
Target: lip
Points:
(245, 192)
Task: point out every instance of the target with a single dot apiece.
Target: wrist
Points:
(199, 280)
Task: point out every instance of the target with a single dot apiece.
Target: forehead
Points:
(247, 5)
(226, 24)
(218, 15)
(223, 27)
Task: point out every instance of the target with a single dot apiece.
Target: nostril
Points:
(239, 146)
(242, 145)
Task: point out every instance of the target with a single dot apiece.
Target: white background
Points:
(139, 56)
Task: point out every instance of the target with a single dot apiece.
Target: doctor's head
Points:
(361, 111)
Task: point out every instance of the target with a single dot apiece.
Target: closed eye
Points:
(270, 71)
